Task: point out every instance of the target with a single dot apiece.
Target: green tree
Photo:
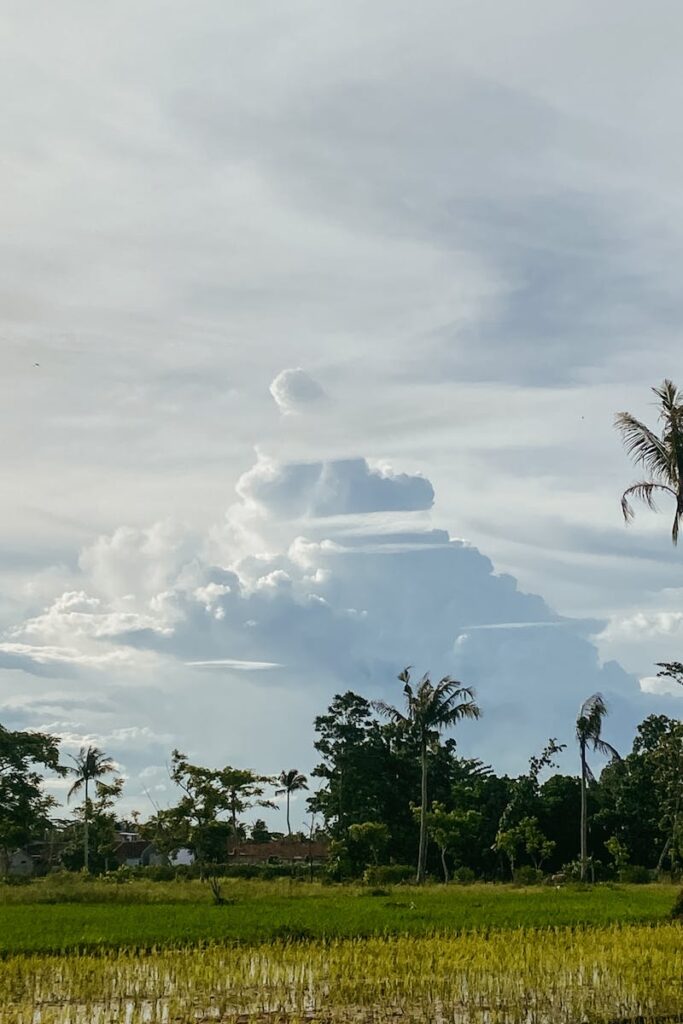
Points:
(367, 842)
(24, 806)
(452, 831)
(429, 710)
(508, 841)
(588, 734)
(536, 845)
(660, 455)
(208, 794)
(259, 832)
(353, 762)
(99, 818)
(90, 765)
(292, 781)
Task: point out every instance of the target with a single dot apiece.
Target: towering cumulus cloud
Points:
(337, 487)
(166, 632)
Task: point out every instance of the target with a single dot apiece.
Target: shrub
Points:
(388, 874)
(528, 875)
(677, 909)
(635, 874)
(464, 876)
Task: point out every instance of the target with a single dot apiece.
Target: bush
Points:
(635, 874)
(677, 910)
(527, 875)
(464, 876)
(388, 874)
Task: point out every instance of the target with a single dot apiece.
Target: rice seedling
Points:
(527, 976)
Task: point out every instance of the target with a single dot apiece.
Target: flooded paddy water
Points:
(527, 976)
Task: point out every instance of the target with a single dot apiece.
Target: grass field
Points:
(53, 917)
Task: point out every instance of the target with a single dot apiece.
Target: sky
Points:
(315, 319)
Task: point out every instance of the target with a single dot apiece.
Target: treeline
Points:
(391, 796)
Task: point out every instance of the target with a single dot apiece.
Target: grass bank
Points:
(39, 918)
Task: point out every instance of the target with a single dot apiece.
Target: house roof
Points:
(130, 850)
(284, 849)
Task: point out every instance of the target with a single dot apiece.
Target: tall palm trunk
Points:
(584, 814)
(422, 853)
(86, 809)
(289, 827)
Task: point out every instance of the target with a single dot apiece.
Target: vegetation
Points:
(660, 455)
(51, 915)
(429, 710)
(561, 975)
(392, 792)
(292, 781)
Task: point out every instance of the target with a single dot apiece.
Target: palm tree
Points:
(90, 764)
(291, 782)
(588, 730)
(429, 710)
(661, 456)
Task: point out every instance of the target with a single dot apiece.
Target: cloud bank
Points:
(330, 609)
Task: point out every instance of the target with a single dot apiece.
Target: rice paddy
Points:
(559, 976)
(490, 972)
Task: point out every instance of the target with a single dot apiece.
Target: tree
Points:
(671, 670)
(23, 804)
(208, 793)
(529, 836)
(367, 842)
(588, 733)
(353, 763)
(451, 831)
(429, 710)
(536, 845)
(89, 765)
(291, 781)
(660, 455)
(101, 821)
(259, 832)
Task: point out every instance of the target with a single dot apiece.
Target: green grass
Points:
(37, 918)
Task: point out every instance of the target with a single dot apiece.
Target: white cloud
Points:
(295, 390)
(331, 488)
(661, 686)
(18, 655)
(342, 609)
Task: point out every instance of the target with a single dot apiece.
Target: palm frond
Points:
(644, 491)
(606, 749)
(389, 711)
(75, 788)
(643, 445)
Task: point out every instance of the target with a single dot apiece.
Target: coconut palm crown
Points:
(588, 734)
(660, 455)
(291, 782)
(89, 764)
(429, 709)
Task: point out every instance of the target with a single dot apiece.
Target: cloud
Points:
(295, 390)
(331, 488)
(329, 608)
(661, 686)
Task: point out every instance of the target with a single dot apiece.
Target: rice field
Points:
(527, 976)
(53, 917)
